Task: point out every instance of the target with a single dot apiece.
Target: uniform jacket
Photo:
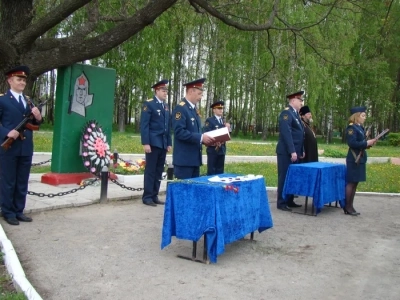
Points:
(355, 136)
(155, 126)
(212, 124)
(186, 124)
(291, 133)
(11, 114)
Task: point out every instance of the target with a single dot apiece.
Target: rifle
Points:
(376, 138)
(21, 126)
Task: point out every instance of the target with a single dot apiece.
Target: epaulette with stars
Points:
(182, 103)
(149, 100)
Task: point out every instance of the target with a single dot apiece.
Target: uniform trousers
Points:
(155, 161)
(14, 176)
(183, 172)
(215, 163)
(284, 161)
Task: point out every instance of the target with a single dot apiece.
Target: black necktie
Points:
(220, 121)
(21, 104)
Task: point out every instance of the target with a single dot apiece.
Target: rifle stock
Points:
(20, 127)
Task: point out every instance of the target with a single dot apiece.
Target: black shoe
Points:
(24, 218)
(352, 213)
(159, 202)
(284, 208)
(294, 205)
(12, 221)
(150, 203)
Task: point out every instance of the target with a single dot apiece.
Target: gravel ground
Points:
(112, 251)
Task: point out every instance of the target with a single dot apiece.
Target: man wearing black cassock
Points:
(310, 141)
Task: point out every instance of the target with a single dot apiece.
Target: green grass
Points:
(7, 290)
(381, 178)
(130, 143)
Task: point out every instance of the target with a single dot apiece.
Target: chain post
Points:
(104, 184)
(170, 172)
(115, 157)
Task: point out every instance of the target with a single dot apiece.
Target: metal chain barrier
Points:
(41, 163)
(126, 187)
(123, 160)
(51, 195)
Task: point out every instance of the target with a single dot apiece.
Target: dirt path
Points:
(112, 251)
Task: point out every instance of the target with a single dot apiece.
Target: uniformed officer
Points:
(155, 133)
(310, 140)
(356, 156)
(15, 163)
(290, 147)
(216, 152)
(188, 137)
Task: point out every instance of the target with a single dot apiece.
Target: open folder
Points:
(220, 135)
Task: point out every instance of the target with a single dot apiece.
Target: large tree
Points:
(47, 34)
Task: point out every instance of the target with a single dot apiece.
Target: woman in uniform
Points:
(356, 156)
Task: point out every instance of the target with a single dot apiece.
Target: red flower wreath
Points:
(95, 149)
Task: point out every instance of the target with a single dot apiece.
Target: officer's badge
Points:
(192, 119)
(178, 116)
(285, 117)
(158, 111)
(148, 100)
(144, 108)
(182, 103)
(350, 132)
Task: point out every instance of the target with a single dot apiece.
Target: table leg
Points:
(205, 259)
(306, 206)
(205, 256)
(194, 251)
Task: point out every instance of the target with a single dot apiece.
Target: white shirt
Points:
(16, 96)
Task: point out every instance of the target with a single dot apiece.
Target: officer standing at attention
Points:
(290, 147)
(216, 152)
(15, 163)
(156, 140)
(310, 140)
(188, 137)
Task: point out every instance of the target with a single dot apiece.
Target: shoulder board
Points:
(27, 97)
(351, 124)
(1, 95)
(182, 103)
(149, 100)
(287, 108)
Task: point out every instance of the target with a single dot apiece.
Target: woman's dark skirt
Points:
(356, 173)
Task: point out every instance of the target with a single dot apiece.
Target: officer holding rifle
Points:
(16, 159)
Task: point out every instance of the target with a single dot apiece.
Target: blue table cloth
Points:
(223, 212)
(325, 182)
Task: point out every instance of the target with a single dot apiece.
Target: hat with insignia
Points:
(161, 84)
(304, 110)
(357, 109)
(218, 104)
(299, 93)
(198, 84)
(20, 71)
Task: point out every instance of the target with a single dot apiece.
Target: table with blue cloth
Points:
(325, 182)
(222, 212)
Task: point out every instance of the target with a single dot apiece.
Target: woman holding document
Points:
(356, 156)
